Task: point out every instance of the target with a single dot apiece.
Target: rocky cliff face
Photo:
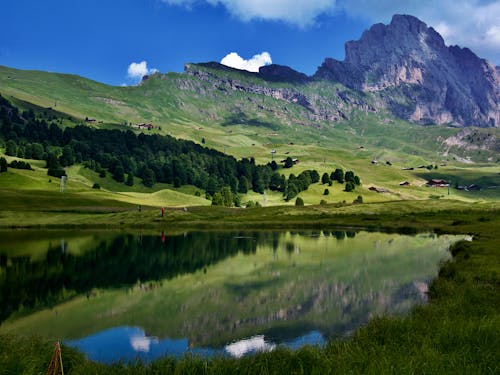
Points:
(414, 74)
(298, 89)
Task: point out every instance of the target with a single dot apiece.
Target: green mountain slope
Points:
(245, 115)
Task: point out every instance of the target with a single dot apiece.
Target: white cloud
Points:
(468, 23)
(298, 12)
(252, 65)
(139, 70)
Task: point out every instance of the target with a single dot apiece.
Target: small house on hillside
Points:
(145, 126)
(377, 189)
(437, 183)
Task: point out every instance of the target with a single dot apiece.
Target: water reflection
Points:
(206, 293)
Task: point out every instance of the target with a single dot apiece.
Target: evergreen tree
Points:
(148, 178)
(349, 186)
(314, 176)
(243, 185)
(67, 157)
(11, 148)
(130, 180)
(338, 175)
(227, 196)
(325, 179)
(217, 199)
(288, 162)
(349, 176)
(299, 201)
(291, 191)
(3, 165)
(119, 173)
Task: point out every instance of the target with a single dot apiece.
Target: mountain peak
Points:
(442, 84)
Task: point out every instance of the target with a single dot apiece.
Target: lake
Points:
(121, 296)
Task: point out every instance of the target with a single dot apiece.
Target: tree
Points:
(211, 186)
(119, 173)
(314, 176)
(130, 180)
(20, 152)
(325, 179)
(243, 185)
(349, 186)
(288, 162)
(11, 148)
(148, 178)
(357, 181)
(277, 182)
(217, 199)
(326, 192)
(291, 191)
(299, 201)
(338, 175)
(96, 186)
(52, 162)
(3, 165)
(227, 196)
(358, 200)
(67, 157)
(349, 176)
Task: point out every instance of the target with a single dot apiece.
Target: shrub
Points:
(56, 172)
(18, 164)
(299, 201)
(358, 200)
(326, 192)
(96, 186)
(349, 186)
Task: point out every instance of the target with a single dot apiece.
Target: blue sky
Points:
(117, 41)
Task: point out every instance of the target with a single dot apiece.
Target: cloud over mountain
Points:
(234, 60)
(139, 70)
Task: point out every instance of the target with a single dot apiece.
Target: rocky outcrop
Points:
(332, 108)
(414, 74)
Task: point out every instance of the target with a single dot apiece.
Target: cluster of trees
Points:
(152, 158)
(351, 180)
(19, 164)
(126, 155)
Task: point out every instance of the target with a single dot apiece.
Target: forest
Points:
(152, 158)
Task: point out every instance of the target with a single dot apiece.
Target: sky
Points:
(118, 41)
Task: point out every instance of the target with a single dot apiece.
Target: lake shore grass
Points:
(458, 331)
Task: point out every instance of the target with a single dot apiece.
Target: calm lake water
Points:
(120, 296)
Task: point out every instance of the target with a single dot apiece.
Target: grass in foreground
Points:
(457, 332)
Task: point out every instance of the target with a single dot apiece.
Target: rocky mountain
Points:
(411, 72)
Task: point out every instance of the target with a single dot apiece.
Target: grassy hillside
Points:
(374, 145)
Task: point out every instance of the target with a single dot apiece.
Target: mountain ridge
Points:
(410, 72)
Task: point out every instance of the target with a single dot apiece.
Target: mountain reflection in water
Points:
(120, 296)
